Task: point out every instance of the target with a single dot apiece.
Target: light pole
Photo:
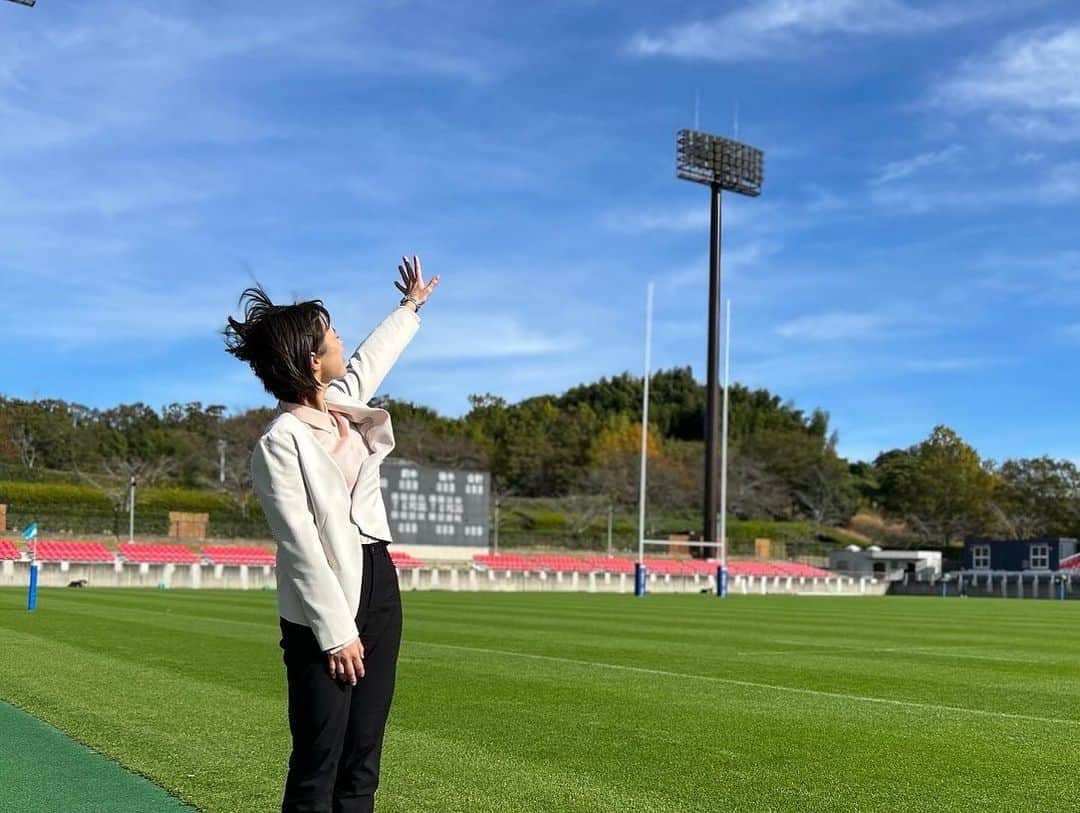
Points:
(610, 511)
(720, 164)
(131, 510)
(222, 445)
(639, 566)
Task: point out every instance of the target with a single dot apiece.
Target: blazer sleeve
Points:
(280, 487)
(377, 353)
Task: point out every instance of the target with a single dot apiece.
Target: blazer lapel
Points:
(373, 423)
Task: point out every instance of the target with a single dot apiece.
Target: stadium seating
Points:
(660, 566)
(566, 564)
(158, 554)
(9, 550)
(781, 569)
(506, 561)
(404, 561)
(1068, 563)
(228, 555)
(674, 567)
(615, 564)
(48, 550)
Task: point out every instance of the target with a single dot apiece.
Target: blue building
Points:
(1017, 554)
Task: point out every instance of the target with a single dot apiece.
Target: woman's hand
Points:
(413, 277)
(347, 664)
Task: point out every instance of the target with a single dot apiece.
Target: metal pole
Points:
(496, 551)
(639, 574)
(724, 439)
(31, 595)
(712, 406)
(131, 511)
(221, 444)
(610, 510)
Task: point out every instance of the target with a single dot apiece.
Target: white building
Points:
(890, 565)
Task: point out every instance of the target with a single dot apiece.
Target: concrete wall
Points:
(109, 574)
(438, 577)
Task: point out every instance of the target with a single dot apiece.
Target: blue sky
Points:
(913, 260)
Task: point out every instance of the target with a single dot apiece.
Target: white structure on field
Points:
(886, 565)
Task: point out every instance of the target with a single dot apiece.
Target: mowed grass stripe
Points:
(485, 731)
(934, 707)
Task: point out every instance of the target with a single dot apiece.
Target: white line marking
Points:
(749, 684)
(940, 652)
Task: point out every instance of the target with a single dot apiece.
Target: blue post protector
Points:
(31, 597)
(721, 581)
(639, 578)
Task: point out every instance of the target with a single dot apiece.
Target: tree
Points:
(614, 464)
(1038, 497)
(940, 487)
(23, 439)
(239, 435)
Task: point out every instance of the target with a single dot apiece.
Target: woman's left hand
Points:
(413, 277)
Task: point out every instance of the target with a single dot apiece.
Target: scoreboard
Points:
(435, 506)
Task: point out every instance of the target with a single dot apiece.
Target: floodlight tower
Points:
(720, 164)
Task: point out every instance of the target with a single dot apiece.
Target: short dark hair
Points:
(277, 341)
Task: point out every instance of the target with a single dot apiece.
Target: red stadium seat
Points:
(50, 550)
(9, 551)
(404, 561)
(615, 564)
(660, 566)
(158, 554)
(230, 555)
(505, 561)
(561, 563)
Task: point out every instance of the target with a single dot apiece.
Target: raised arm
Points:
(279, 485)
(377, 353)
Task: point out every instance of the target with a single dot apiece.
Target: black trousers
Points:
(337, 729)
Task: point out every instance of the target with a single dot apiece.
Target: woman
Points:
(315, 471)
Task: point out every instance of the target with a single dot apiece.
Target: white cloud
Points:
(1028, 84)
(487, 336)
(691, 218)
(769, 29)
(1033, 71)
(896, 170)
(1056, 185)
(834, 326)
(1036, 280)
(949, 364)
(118, 309)
(735, 260)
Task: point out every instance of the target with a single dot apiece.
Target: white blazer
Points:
(317, 523)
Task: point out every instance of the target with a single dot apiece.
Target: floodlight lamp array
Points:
(713, 160)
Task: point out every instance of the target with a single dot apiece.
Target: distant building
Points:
(889, 565)
(1016, 555)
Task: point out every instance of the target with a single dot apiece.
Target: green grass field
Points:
(568, 702)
